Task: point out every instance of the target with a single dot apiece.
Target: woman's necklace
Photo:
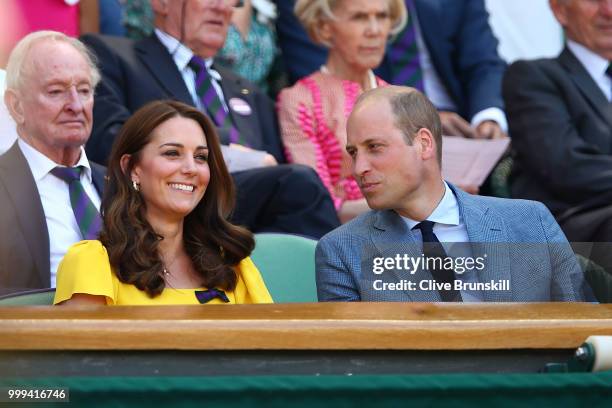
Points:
(167, 266)
(371, 76)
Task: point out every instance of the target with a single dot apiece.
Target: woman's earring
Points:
(135, 185)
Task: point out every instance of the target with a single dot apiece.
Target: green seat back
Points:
(287, 265)
(40, 297)
(598, 278)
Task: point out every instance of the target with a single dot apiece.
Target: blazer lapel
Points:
(98, 176)
(488, 239)
(391, 237)
(235, 90)
(586, 84)
(159, 62)
(29, 211)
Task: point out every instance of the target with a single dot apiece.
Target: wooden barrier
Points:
(312, 326)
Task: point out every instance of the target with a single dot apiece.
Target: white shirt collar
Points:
(41, 165)
(181, 54)
(447, 211)
(595, 64)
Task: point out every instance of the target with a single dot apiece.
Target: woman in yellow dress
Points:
(166, 238)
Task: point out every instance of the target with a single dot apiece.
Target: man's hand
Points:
(455, 125)
(489, 130)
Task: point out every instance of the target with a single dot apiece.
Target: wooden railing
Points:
(332, 326)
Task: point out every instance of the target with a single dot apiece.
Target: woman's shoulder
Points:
(87, 248)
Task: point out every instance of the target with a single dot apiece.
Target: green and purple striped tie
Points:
(404, 56)
(211, 101)
(85, 212)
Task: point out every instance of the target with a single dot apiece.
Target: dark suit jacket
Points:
(561, 127)
(24, 238)
(135, 73)
(458, 37)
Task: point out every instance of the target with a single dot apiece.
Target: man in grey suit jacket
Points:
(50, 83)
(517, 250)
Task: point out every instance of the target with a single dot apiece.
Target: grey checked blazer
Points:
(521, 239)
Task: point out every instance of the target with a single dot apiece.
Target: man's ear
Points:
(559, 10)
(160, 6)
(427, 143)
(14, 106)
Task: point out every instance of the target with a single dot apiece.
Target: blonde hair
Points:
(312, 12)
(16, 67)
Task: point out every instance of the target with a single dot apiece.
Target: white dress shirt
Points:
(235, 159)
(55, 198)
(595, 64)
(452, 233)
(436, 91)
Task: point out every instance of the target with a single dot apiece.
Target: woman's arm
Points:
(80, 299)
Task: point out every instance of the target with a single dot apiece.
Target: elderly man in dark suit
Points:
(177, 61)
(49, 191)
(450, 47)
(560, 119)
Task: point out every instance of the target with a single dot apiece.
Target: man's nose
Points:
(361, 165)
(75, 101)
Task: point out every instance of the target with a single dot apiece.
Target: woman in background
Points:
(313, 113)
(166, 237)
(250, 48)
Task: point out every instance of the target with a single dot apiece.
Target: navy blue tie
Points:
(435, 255)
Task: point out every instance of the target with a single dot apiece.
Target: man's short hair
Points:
(15, 67)
(412, 111)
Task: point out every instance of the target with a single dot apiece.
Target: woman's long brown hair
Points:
(214, 245)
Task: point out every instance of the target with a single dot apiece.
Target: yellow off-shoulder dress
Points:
(86, 269)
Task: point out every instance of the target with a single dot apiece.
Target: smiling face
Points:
(53, 107)
(588, 22)
(172, 170)
(358, 36)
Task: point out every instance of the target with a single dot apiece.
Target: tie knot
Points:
(197, 64)
(68, 174)
(426, 227)
(609, 70)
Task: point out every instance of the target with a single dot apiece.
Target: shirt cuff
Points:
(494, 114)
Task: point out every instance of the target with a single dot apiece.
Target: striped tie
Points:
(210, 100)
(404, 56)
(85, 212)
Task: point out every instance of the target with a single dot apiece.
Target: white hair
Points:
(15, 66)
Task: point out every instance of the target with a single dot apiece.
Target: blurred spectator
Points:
(21, 17)
(450, 46)
(561, 123)
(138, 18)
(313, 113)
(250, 47)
